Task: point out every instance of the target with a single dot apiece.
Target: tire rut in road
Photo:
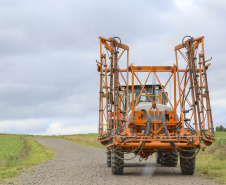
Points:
(77, 164)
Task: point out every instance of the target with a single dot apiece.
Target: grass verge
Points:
(90, 140)
(32, 153)
(212, 161)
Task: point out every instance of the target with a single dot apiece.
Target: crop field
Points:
(16, 154)
(220, 138)
(10, 147)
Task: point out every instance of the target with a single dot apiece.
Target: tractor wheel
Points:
(169, 159)
(187, 166)
(158, 157)
(117, 163)
(108, 158)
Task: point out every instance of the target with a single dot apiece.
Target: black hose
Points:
(164, 123)
(148, 121)
(113, 38)
(166, 129)
(143, 143)
(184, 38)
(171, 142)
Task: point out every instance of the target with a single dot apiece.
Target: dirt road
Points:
(76, 164)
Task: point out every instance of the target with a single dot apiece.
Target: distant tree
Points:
(217, 128)
(221, 128)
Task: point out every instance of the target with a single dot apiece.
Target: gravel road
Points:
(76, 164)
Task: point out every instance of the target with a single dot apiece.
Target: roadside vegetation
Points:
(16, 154)
(212, 161)
(90, 140)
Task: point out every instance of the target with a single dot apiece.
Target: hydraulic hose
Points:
(143, 142)
(171, 142)
(184, 38)
(148, 121)
(166, 129)
(164, 123)
(113, 38)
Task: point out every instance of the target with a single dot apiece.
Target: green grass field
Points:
(212, 161)
(16, 154)
(10, 146)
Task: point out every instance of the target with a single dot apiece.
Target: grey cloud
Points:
(48, 51)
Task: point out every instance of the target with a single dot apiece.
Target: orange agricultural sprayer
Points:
(154, 109)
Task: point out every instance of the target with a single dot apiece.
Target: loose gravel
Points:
(77, 164)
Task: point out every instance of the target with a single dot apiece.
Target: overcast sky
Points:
(48, 78)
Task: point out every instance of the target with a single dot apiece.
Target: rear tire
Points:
(187, 166)
(117, 164)
(158, 157)
(169, 159)
(108, 158)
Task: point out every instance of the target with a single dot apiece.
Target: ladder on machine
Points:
(199, 90)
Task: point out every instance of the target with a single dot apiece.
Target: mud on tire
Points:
(117, 164)
(187, 166)
(169, 159)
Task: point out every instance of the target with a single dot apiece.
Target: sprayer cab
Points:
(143, 94)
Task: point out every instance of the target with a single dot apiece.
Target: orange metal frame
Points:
(115, 130)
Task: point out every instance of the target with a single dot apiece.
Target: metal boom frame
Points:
(190, 99)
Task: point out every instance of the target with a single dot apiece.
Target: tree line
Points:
(220, 128)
